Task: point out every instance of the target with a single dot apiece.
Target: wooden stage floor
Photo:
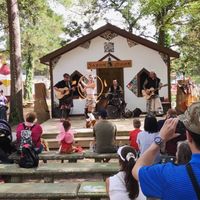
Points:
(78, 124)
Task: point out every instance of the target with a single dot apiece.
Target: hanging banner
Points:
(109, 64)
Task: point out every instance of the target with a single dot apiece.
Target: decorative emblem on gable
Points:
(86, 45)
(108, 35)
(55, 61)
(131, 43)
(108, 47)
(164, 57)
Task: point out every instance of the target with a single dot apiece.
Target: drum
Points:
(102, 104)
(113, 112)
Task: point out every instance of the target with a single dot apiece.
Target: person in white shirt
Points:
(123, 185)
(89, 89)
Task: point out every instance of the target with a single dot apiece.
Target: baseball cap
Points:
(191, 118)
(126, 152)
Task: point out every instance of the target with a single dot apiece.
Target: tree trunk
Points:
(28, 89)
(161, 37)
(16, 108)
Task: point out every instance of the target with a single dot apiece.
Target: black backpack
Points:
(28, 158)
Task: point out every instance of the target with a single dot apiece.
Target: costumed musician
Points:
(115, 96)
(64, 92)
(151, 88)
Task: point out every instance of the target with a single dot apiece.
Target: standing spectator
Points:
(33, 129)
(105, 135)
(133, 134)
(3, 106)
(169, 181)
(146, 137)
(123, 185)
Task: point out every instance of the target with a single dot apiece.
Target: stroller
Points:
(6, 147)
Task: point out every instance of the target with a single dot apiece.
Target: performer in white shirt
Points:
(89, 89)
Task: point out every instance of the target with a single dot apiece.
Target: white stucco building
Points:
(112, 53)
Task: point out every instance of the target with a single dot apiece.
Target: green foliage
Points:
(40, 30)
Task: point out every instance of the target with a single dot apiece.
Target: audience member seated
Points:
(105, 135)
(146, 137)
(29, 132)
(123, 185)
(66, 139)
(171, 145)
(183, 154)
(134, 133)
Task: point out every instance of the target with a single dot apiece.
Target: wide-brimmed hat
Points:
(191, 118)
(126, 153)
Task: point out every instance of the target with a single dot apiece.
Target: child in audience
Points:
(146, 137)
(123, 185)
(183, 154)
(134, 133)
(66, 139)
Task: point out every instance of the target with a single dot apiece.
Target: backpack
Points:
(28, 158)
(26, 137)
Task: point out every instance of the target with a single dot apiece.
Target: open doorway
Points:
(107, 75)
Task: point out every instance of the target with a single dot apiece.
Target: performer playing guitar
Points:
(148, 93)
(152, 83)
(64, 92)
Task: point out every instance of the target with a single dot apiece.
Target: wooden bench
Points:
(56, 191)
(52, 155)
(12, 173)
(99, 157)
(92, 190)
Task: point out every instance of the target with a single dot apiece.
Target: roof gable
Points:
(108, 27)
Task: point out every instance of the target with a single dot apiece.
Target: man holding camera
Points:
(169, 181)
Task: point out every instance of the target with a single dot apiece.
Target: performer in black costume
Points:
(66, 102)
(115, 97)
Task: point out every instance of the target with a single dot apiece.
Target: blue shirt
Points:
(169, 181)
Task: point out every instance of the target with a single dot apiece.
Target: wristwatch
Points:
(159, 141)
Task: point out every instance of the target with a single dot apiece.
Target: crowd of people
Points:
(142, 174)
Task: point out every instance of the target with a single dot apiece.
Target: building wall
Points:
(141, 56)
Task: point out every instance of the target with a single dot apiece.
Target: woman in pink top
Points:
(34, 129)
(66, 139)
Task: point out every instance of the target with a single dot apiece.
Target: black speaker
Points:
(137, 112)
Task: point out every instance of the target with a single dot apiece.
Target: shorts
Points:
(91, 103)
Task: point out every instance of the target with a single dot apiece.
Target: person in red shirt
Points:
(36, 131)
(133, 134)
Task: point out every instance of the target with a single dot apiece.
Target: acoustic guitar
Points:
(148, 93)
(61, 92)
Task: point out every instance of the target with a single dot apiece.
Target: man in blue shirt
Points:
(169, 181)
